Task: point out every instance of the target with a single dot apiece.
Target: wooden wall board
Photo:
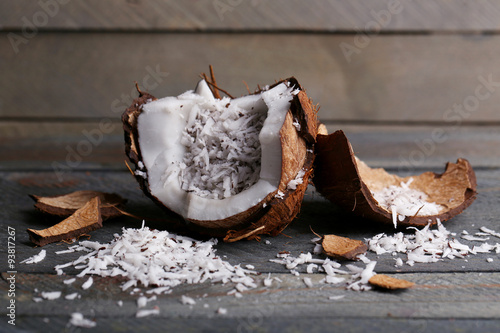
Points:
(441, 78)
(37, 145)
(255, 15)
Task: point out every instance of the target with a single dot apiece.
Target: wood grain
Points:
(393, 78)
(255, 15)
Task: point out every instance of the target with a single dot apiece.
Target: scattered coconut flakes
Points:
(250, 266)
(308, 282)
(87, 284)
(77, 319)
(36, 258)
(71, 296)
(267, 242)
(159, 258)
(399, 262)
(280, 195)
(336, 297)
(70, 250)
(426, 245)
(222, 311)
(50, 295)
(37, 299)
(404, 201)
(489, 260)
(119, 303)
(187, 300)
(489, 231)
(268, 281)
(142, 301)
(69, 281)
(473, 238)
(147, 312)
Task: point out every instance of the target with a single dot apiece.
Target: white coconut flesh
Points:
(209, 159)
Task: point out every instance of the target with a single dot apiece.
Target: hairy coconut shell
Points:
(274, 212)
(345, 180)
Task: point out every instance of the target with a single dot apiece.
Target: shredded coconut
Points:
(426, 245)
(222, 311)
(50, 295)
(292, 184)
(159, 258)
(88, 283)
(187, 300)
(71, 296)
(36, 258)
(223, 150)
(78, 320)
(147, 312)
(404, 201)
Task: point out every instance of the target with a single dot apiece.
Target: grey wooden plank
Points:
(393, 78)
(267, 325)
(70, 145)
(333, 15)
(468, 298)
(316, 213)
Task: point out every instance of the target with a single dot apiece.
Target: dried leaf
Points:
(84, 220)
(387, 282)
(67, 204)
(342, 248)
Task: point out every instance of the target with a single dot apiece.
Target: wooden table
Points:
(452, 295)
(63, 88)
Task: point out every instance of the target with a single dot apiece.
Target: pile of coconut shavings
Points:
(428, 245)
(404, 201)
(222, 150)
(157, 258)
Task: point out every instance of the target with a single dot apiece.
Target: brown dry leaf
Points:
(342, 248)
(387, 282)
(67, 204)
(84, 220)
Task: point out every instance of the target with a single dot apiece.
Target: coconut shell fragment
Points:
(348, 182)
(387, 282)
(84, 220)
(277, 209)
(67, 204)
(342, 248)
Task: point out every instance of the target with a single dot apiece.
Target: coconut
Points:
(228, 167)
(378, 195)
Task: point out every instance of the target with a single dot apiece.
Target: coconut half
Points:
(228, 167)
(378, 195)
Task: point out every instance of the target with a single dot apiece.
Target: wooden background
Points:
(68, 66)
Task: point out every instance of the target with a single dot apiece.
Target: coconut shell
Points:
(67, 204)
(274, 212)
(346, 181)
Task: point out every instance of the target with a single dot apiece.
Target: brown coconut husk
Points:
(346, 181)
(273, 213)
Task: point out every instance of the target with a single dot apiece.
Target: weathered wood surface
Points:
(472, 300)
(403, 78)
(465, 290)
(238, 15)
